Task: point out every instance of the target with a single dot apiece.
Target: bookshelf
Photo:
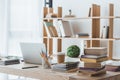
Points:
(49, 41)
(94, 40)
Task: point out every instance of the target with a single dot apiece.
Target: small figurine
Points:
(70, 14)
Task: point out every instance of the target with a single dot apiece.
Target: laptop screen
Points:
(31, 52)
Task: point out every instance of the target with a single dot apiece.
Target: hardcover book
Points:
(93, 65)
(65, 28)
(65, 66)
(113, 66)
(93, 56)
(86, 60)
(6, 61)
(50, 29)
(95, 51)
(91, 73)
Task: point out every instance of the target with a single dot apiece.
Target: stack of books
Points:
(66, 67)
(93, 59)
(9, 60)
(113, 66)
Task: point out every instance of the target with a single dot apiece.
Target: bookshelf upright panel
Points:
(111, 20)
(95, 25)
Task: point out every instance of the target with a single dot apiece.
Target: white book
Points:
(57, 28)
(65, 28)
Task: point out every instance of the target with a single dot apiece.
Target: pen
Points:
(29, 67)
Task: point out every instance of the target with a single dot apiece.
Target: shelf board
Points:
(76, 18)
(87, 38)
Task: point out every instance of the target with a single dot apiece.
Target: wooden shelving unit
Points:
(93, 41)
(49, 41)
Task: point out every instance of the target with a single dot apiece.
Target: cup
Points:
(60, 57)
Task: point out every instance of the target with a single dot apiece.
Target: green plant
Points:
(73, 51)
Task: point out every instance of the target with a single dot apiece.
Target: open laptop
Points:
(31, 52)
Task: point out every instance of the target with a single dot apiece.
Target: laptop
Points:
(31, 52)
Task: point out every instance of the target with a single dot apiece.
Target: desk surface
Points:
(48, 74)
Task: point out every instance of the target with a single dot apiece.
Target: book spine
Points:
(58, 28)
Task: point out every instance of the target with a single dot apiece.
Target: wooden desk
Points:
(48, 74)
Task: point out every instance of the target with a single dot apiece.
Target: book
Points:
(53, 31)
(93, 65)
(113, 66)
(93, 56)
(65, 66)
(50, 29)
(91, 73)
(82, 35)
(89, 15)
(94, 60)
(57, 28)
(47, 25)
(63, 69)
(95, 51)
(65, 28)
(91, 69)
(9, 61)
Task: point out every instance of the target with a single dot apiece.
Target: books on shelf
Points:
(50, 29)
(65, 28)
(82, 35)
(57, 28)
(89, 15)
(95, 51)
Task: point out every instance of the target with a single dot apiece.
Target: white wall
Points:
(3, 27)
(80, 8)
(25, 24)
